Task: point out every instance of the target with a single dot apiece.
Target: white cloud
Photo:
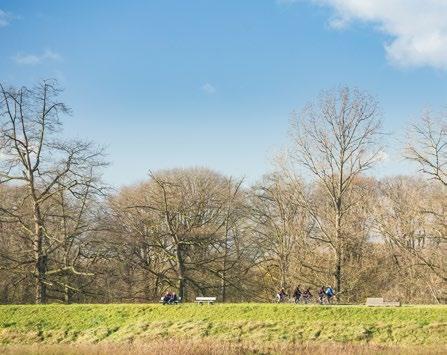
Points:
(5, 18)
(417, 28)
(208, 88)
(34, 59)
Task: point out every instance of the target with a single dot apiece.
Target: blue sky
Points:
(166, 83)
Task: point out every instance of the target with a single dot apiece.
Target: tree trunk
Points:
(338, 249)
(284, 262)
(181, 274)
(283, 272)
(223, 282)
(223, 275)
(338, 273)
(40, 258)
(67, 293)
(148, 290)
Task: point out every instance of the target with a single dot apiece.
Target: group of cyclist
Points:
(325, 295)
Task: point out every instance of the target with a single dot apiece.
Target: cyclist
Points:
(297, 294)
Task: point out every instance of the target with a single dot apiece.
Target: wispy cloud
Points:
(5, 18)
(208, 88)
(417, 28)
(34, 59)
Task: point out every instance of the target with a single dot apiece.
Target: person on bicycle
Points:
(329, 294)
(307, 295)
(297, 294)
(321, 295)
(281, 296)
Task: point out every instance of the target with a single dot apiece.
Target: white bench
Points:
(379, 302)
(209, 300)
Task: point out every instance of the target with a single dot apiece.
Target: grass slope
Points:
(53, 324)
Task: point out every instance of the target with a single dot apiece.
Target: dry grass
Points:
(174, 347)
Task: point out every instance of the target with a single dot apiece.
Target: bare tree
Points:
(134, 240)
(189, 216)
(427, 146)
(407, 219)
(280, 224)
(71, 221)
(234, 214)
(34, 155)
(336, 141)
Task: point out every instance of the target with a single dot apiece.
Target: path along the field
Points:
(52, 324)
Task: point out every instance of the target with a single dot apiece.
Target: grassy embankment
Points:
(258, 326)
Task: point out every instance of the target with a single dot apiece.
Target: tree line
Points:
(320, 217)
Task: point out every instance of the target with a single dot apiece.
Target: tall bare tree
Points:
(34, 155)
(427, 147)
(335, 140)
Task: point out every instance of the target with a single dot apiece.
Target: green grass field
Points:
(263, 324)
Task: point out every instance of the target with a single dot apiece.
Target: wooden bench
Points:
(209, 300)
(379, 302)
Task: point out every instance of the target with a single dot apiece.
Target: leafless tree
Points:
(33, 155)
(335, 140)
(407, 218)
(427, 146)
(188, 215)
(280, 224)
